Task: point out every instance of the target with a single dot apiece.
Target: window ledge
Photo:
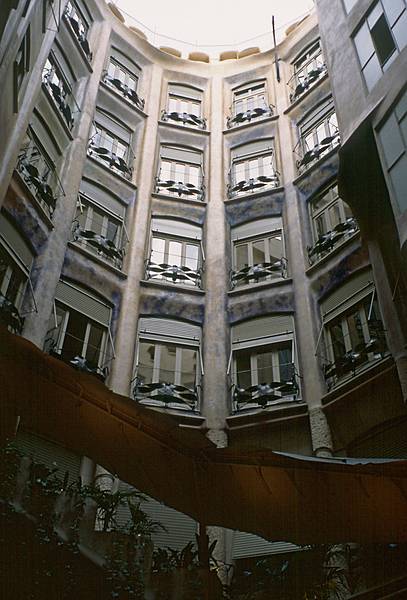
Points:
(252, 287)
(186, 416)
(173, 287)
(111, 172)
(186, 201)
(259, 194)
(98, 259)
(128, 103)
(44, 216)
(307, 93)
(253, 122)
(317, 164)
(333, 253)
(184, 127)
(58, 113)
(291, 409)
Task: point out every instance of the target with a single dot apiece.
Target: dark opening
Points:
(383, 39)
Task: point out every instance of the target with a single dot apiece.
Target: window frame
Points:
(21, 66)
(187, 166)
(100, 132)
(259, 159)
(179, 98)
(250, 240)
(310, 128)
(248, 96)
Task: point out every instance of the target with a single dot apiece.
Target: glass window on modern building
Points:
(16, 291)
(393, 141)
(263, 362)
(180, 173)
(168, 368)
(109, 144)
(175, 252)
(319, 134)
(184, 106)
(332, 222)
(258, 252)
(122, 75)
(250, 101)
(308, 68)
(253, 168)
(353, 330)
(380, 38)
(79, 330)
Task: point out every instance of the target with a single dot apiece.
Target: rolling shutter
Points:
(181, 154)
(259, 227)
(83, 302)
(247, 544)
(316, 115)
(350, 293)
(185, 91)
(262, 327)
(162, 329)
(257, 147)
(102, 197)
(178, 228)
(15, 243)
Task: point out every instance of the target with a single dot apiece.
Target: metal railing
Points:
(10, 316)
(329, 240)
(259, 272)
(305, 78)
(166, 394)
(74, 26)
(179, 188)
(62, 97)
(253, 184)
(100, 244)
(174, 273)
(248, 115)
(121, 165)
(184, 118)
(310, 157)
(124, 90)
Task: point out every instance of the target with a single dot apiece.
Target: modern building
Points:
(221, 241)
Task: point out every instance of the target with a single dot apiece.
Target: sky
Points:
(228, 23)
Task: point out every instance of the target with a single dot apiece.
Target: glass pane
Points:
(157, 250)
(74, 336)
(175, 253)
(254, 168)
(239, 171)
(188, 368)
(392, 142)
(393, 9)
(355, 329)
(172, 105)
(243, 371)
(321, 225)
(121, 150)
(338, 341)
(276, 248)
(285, 362)
(97, 221)
(383, 39)
(259, 253)
(375, 14)
(195, 109)
(347, 210)
(180, 172)
(112, 232)
(335, 215)
(146, 362)
(192, 256)
(167, 364)
(193, 176)
(372, 72)
(398, 176)
(94, 344)
(364, 44)
(400, 31)
(165, 170)
(242, 256)
(264, 359)
(321, 132)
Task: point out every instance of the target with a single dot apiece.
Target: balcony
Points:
(166, 394)
(184, 118)
(329, 240)
(269, 393)
(306, 77)
(103, 246)
(253, 184)
(117, 164)
(10, 316)
(76, 26)
(249, 115)
(259, 272)
(39, 174)
(310, 157)
(61, 96)
(174, 274)
(124, 90)
(180, 189)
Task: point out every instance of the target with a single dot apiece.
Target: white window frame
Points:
(119, 70)
(250, 241)
(269, 342)
(74, 11)
(182, 102)
(249, 96)
(88, 205)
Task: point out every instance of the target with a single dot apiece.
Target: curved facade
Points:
(175, 228)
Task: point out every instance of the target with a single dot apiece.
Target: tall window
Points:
(180, 172)
(393, 140)
(168, 363)
(109, 149)
(380, 38)
(258, 252)
(249, 102)
(318, 135)
(332, 222)
(253, 167)
(175, 252)
(21, 65)
(59, 89)
(79, 25)
(263, 362)
(308, 69)
(184, 105)
(354, 334)
(123, 80)
(79, 330)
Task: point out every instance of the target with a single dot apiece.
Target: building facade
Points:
(209, 239)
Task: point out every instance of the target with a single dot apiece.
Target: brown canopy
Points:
(277, 496)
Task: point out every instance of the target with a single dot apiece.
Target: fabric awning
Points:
(279, 497)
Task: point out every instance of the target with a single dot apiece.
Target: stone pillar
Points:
(320, 433)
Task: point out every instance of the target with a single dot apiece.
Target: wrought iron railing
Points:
(267, 393)
(184, 118)
(352, 361)
(309, 157)
(120, 165)
(249, 115)
(101, 244)
(259, 272)
(180, 189)
(62, 98)
(40, 176)
(80, 36)
(253, 184)
(329, 240)
(174, 273)
(124, 90)
(10, 316)
(304, 79)
(166, 394)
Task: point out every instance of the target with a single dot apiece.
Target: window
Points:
(175, 252)
(79, 25)
(309, 68)
(332, 222)
(59, 89)
(380, 38)
(16, 261)
(21, 65)
(168, 364)
(180, 173)
(354, 334)
(252, 168)
(124, 81)
(258, 252)
(263, 362)
(79, 331)
(100, 230)
(319, 134)
(393, 139)
(108, 149)
(184, 106)
(249, 102)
